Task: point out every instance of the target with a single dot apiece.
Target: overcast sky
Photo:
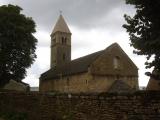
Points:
(95, 24)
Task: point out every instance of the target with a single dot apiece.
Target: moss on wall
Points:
(13, 115)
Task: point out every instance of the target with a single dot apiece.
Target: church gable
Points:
(114, 61)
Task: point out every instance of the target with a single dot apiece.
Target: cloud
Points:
(95, 24)
(43, 38)
(85, 14)
(41, 65)
(32, 80)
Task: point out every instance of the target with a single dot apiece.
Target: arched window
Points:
(62, 40)
(116, 62)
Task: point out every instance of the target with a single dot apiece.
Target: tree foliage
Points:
(17, 43)
(144, 31)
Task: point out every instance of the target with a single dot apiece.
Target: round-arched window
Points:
(116, 62)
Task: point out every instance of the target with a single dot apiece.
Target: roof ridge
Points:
(88, 55)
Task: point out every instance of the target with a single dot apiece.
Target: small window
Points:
(116, 62)
(67, 81)
(65, 40)
(64, 56)
(86, 82)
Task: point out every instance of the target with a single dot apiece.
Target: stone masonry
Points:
(51, 106)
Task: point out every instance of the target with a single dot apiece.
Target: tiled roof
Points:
(119, 86)
(61, 26)
(153, 84)
(75, 66)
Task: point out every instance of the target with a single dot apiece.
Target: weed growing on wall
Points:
(13, 116)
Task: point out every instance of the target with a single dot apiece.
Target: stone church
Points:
(108, 70)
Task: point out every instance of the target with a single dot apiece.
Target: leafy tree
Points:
(144, 31)
(17, 43)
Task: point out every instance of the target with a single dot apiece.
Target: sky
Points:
(95, 24)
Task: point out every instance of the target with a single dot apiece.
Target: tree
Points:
(17, 43)
(144, 31)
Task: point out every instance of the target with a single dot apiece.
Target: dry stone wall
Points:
(51, 106)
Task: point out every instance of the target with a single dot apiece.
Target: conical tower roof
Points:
(61, 26)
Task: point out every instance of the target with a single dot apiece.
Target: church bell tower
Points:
(60, 43)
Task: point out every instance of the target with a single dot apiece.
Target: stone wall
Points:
(103, 83)
(73, 83)
(85, 83)
(48, 106)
